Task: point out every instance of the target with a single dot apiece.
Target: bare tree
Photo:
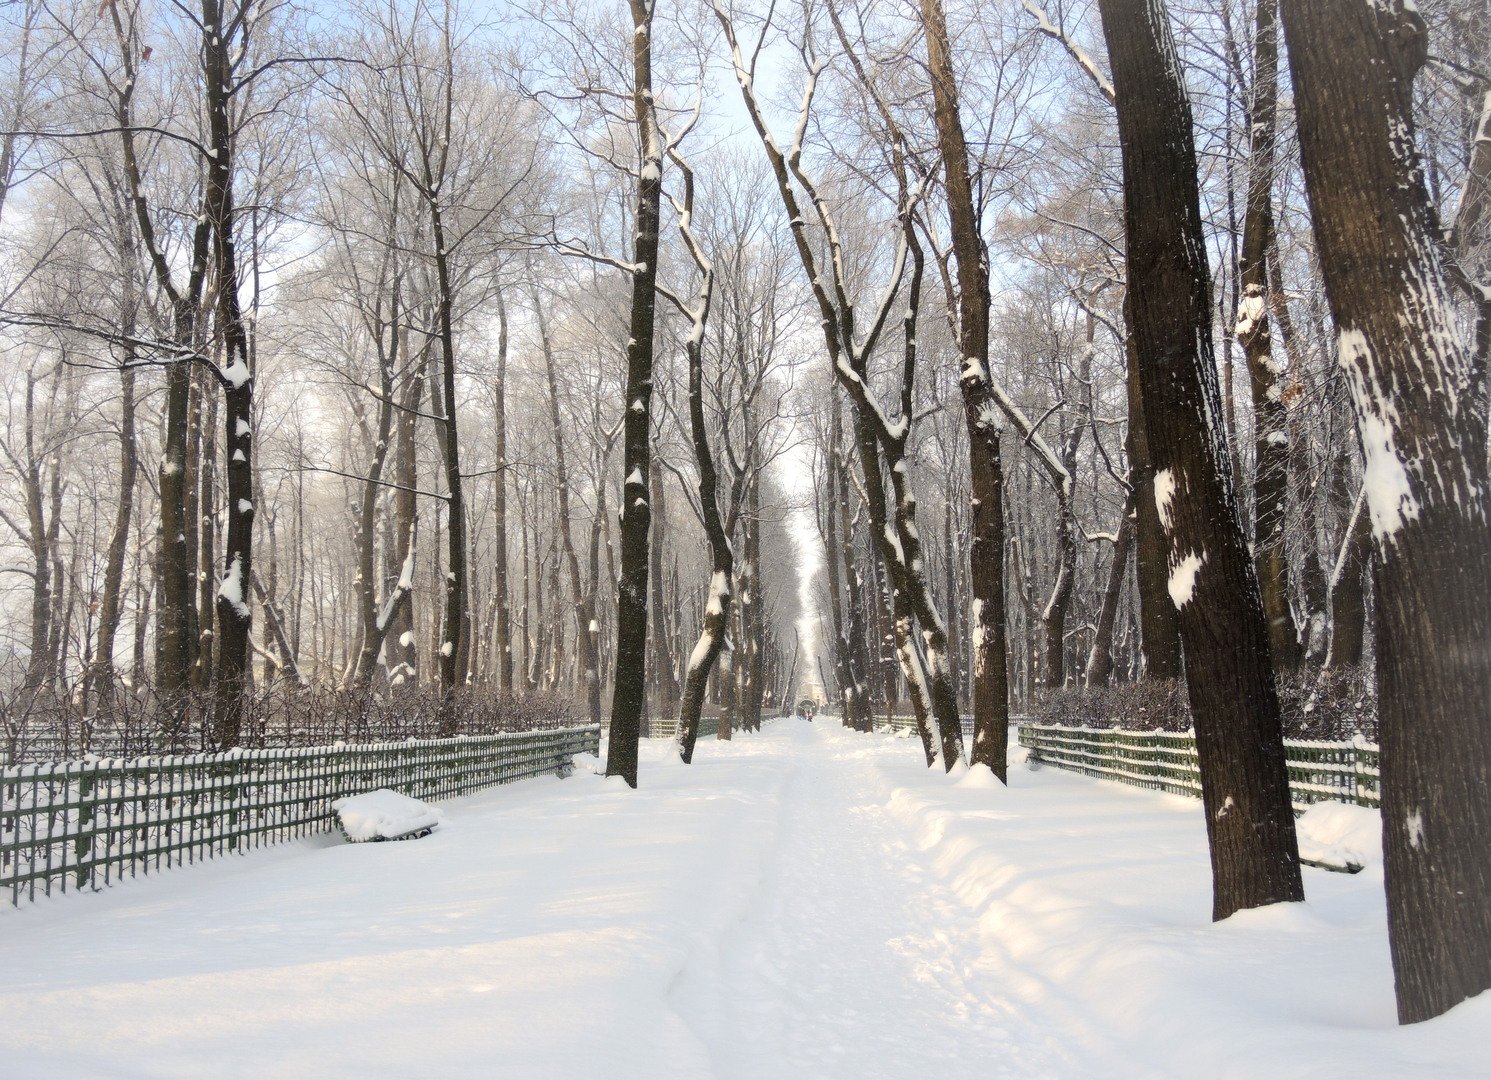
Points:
(1234, 702)
(1413, 382)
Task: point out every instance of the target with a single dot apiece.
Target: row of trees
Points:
(1109, 307)
(315, 372)
(453, 288)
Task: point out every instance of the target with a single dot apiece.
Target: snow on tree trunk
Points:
(629, 693)
(986, 550)
(1234, 701)
(1428, 491)
(1270, 416)
(234, 614)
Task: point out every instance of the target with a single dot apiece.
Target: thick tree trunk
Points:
(234, 614)
(1159, 627)
(630, 692)
(1234, 702)
(986, 549)
(1427, 483)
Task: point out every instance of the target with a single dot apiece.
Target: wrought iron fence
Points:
(85, 824)
(1345, 771)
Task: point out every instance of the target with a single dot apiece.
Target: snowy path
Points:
(801, 903)
(852, 949)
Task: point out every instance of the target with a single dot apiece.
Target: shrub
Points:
(1328, 705)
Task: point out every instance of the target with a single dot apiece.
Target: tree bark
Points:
(1159, 628)
(1428, 490)
(1270, 416)
(1234, 702)
(630, 691)
(1100, 658)
(502, 630)
(234, 614)
(986, 473)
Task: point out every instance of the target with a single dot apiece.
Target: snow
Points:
(1164, 494)
(804, 902)
(236, 374)
(447, 648)
(1250, 311)
(384, 814)
(1340, 834)
(1182, 582)
(1414, 825)
(719, 592)
(231, 588)
(1385, 479)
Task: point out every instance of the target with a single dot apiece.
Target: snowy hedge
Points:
(1315, 704)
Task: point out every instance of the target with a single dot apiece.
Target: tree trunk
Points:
(583, 601)
(1159, 628)
(858, 632)
(1270, 416)
(629, 695)
(1100, 659)
(1427, 484)
(110, 608)
(712, 632)
(453, 651)
(1234, 702)
(986, 550)
(1348, 598)
(502, 630)
(665, 684)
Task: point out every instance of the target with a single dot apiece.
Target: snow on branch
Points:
(1089, 67)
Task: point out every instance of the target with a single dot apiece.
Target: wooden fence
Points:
(1166, 761)
(85, 824)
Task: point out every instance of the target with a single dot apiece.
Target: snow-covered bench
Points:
(384, 815)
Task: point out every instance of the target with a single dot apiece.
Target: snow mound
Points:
(384, 815)
(980, 778)
(1340, 834)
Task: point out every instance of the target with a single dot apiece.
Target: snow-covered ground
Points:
(806, 902)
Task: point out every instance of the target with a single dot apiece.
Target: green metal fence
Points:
(85, 824)
(1166, 761)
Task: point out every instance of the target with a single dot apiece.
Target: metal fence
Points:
(1166, 761)
(666, 727)
(901, 723)
(85, 824)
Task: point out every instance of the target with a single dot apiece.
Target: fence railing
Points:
(900, 723)
(84, 824)
(1166, 761)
